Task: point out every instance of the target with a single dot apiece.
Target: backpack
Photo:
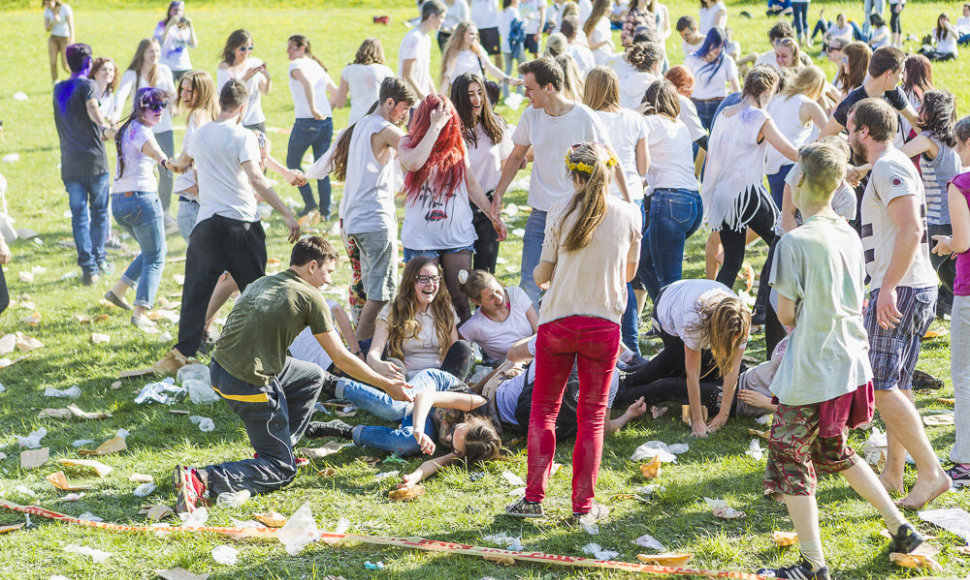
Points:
(516, 35)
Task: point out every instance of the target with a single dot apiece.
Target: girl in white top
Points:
(799, 118)
(713, 70)
(458, 11)
(146, 71)
(105, 75)
(176, 35)
(945, 38)
(437, 188)
(489, 143)
(881, 35)
(713, 14)
(599, 35)
(464, 54)
(197, 95)
(505, 320)
(625, 128)
(238, 63)
(643, 61)
(362, 79)
(734, 197)
(59, 22)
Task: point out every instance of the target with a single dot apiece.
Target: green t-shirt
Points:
(266, 318)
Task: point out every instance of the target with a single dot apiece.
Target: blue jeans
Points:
(309, 133)
(705, 111)
(535, 233)
(140, 213)
(88, 198)
(870, 7)
(187, 214)
(630, 323)
(675, 214)
(400, 440)
(776, 184)
(800, 14)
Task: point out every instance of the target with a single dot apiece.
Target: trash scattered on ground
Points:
(11, 527)
(876, 448)
(110, 446)
(386, 474)
(34, 458)
(59, 480)
(141, 478)
(506, 541)
(70, 412)
(144, 490)
(512, 479)
(100, 338)
(19, 341)
(667, 453)
(180, 574)
(299, 531)
(648, 541)
(953, 520)
(71, 393)
(82, 442)
(97, 555)
(89, 517)
(271, 519)
(720, 509)
(329, 448)
(914, 561)
(756, 433)
(368, 565)
(158, 513)
(651, 469)
(205, 424)
(196, 519)
(233, 499)
(596, 551)
(407, 493)
(763, 419)
(23, 490)
(100, 468)
(160, 392)
(32, 441)
(225, 555)
(648, 490)
(671, 559)
(783, 539)
(939, 418)
(755, 450)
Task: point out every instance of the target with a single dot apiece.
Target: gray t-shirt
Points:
(82, 150)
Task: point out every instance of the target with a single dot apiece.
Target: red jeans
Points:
(592, 343)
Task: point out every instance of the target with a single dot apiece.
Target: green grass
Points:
(456, 507)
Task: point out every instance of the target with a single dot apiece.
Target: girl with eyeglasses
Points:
(145, 70)
(136, 206)
(239, 63)
(418, 330)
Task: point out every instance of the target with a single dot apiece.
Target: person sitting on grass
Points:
(272, 393)
(504, 317)
(824, 385)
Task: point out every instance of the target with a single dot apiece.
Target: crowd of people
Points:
(855, 183)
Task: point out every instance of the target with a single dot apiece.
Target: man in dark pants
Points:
(228, 235)
(272, 393)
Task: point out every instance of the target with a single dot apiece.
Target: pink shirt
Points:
(961, 285)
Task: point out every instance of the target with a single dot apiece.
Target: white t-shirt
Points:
(845, 33)
(416, 46)
(219, 150)
(485, 13)
(529, 9)
(625, 129)
(671, 154)
(422, 351)
(583, 57)
(139, 170)
(768, 59)
(690, 49)
(319, 81)
(130, 83)
(601, 32)
(785, 112)
(735, 164)
(678, 309)
(893, 175)
(633, 87)
(486, 158)
(457, 11)
(60, 27)
(948, 44)
(253, 115)
(188, 178)
(364, 83)
(494, 337)
(465, 61)
(843, 200)
(709, 15)
(963, 25)
(550, 138)
(306, 347)
(708, 84)
(690, 118)
(175, 49)
(438, 224)
(505, 26)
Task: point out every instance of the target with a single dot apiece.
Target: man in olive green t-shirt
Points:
(272, 393)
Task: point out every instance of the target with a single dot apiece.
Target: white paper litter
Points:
(763, 419)
(953, 520)
(196, 519)
(123, 433)
(11, 158)
(722, 510)
(755, 450)
(71, 393)
(512, 479)
(205, 424)
(225, 555)
(200, 392)
(648, 541)
(591, 527)
(506, 541)
(144, 489)
(20, 96)
(233, 499)
(89, 517)
(667, 453)
(163, 392)
(24, 490)
(72, 497)
(876, 448)
(32, 441)
(82, 442)
(649, 489)
(97, 555)
(386, 474)
(299, 531)
(596, 551)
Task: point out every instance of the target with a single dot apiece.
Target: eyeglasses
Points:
(246, 48)
(427, 278)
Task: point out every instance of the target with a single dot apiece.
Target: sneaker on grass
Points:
(800, 571)
(525, 509)
(189, 490)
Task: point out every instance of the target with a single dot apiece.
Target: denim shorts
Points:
(893, 352)
(378, 264)
(409, 253)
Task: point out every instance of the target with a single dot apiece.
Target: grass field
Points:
(458, 507)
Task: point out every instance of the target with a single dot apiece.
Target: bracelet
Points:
(163, 165)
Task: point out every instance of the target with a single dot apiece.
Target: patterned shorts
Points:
(893, 352)
(796, 451)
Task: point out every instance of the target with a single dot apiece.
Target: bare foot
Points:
(892, 485)
(925, 491)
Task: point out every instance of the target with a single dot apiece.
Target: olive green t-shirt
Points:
(266, 318)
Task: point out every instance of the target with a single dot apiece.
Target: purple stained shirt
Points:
(961, 285)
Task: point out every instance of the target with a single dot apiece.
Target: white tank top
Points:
(784, 112)
(369, 189)
(735, 162)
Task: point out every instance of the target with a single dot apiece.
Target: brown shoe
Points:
(170, 363)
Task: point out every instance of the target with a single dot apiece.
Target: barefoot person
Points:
(824, 384)
(902, 294)
(272, 393)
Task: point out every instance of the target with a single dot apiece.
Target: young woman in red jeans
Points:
(592, 245)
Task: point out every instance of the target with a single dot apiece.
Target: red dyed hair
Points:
(682, 78)
(445, 167)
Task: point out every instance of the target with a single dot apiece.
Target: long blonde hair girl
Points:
(401, 321)
(601, 92)
(589, 164)
(726, 323)
(455, 44)
(810, 81)
(204, 105)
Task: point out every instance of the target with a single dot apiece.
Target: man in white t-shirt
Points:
(228, 235)
(486, 16)
(583, 56)
(533, 14)
(902, 290)
(550, 127)
(783, 29)
(414, 55)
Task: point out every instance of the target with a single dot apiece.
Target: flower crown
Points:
(610, 162)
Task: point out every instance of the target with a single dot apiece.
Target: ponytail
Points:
(589, 162)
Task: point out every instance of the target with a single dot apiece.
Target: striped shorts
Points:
(893, 352)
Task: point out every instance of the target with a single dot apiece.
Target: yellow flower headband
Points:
(611, 162)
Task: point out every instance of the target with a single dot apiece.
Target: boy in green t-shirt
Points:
(824, 383)
(272, 393)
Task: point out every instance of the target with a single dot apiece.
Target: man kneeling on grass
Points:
(272, 393)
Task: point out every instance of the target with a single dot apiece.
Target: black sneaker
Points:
(335, 428)
(89, 278)
(905, 540)
(960, 474)
(329, 389)
(525, 509)
(800, 571)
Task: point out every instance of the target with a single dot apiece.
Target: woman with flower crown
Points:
(590, 252)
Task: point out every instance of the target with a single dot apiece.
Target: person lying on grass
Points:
(505, 316)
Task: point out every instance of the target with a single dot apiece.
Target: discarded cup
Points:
(71, 393)
(226, 555)
(232, 499)
(372, 566)
(200, 392)
(299, 531)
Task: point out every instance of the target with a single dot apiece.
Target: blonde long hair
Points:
(455, 44)
(602, 90)
(726, 323)
(401, 321)
(809, 81)
(204, 100)
(588, 164)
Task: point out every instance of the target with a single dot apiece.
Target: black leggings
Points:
(459, 360)
(671, 389)
(774, 331)
(668, 363)
(757, 213)
(4, 294)
(486, 246)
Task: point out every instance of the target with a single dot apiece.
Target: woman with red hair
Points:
(438, 220)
